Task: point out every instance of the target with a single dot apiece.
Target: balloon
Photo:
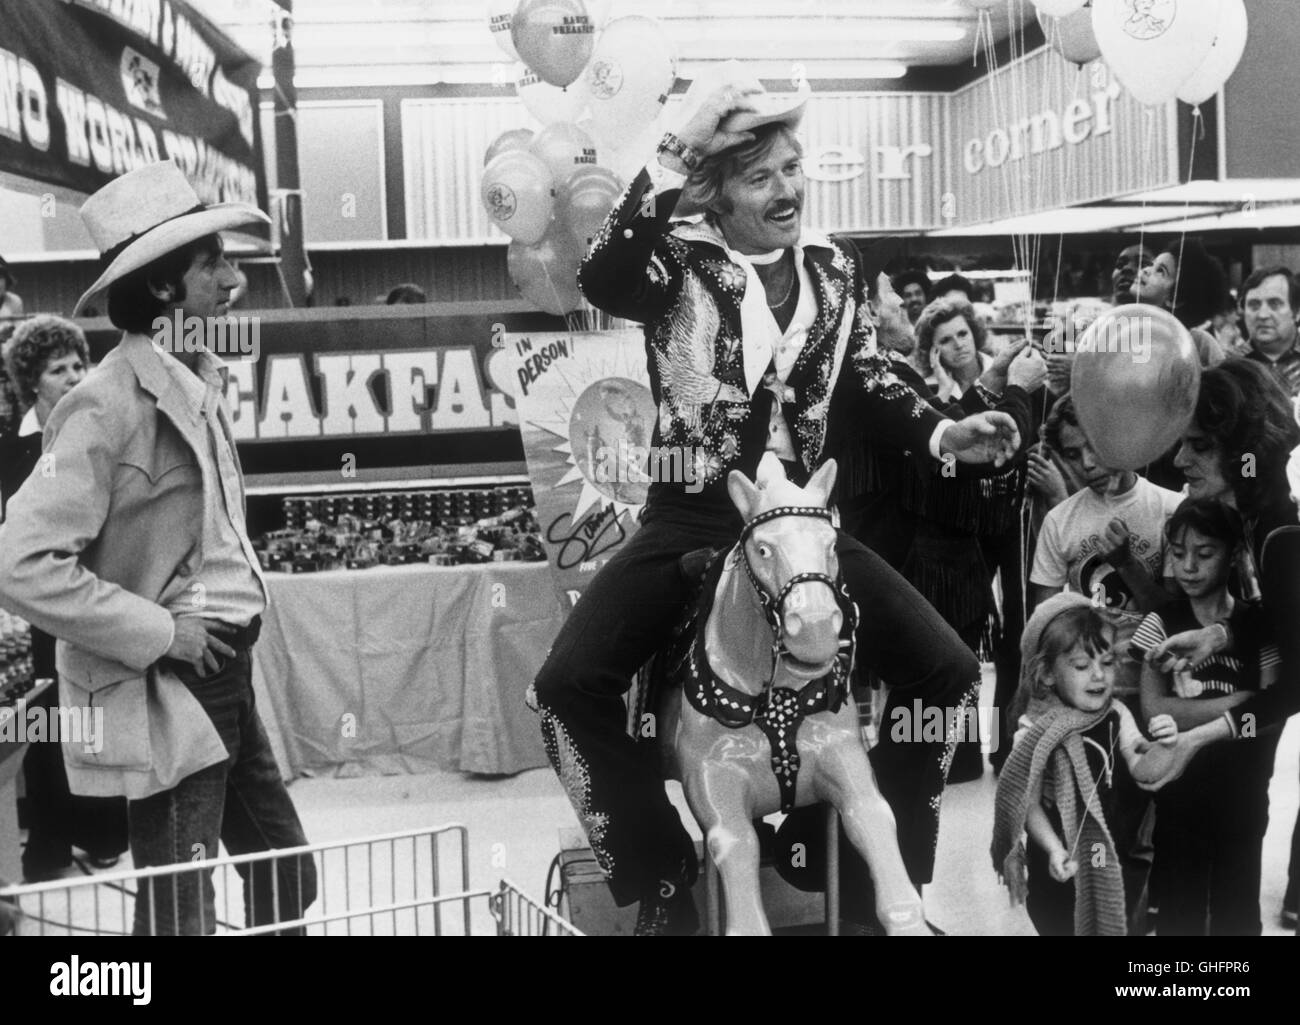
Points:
(500, 13)
(632, 71)
(598, 12)
(1058, 8)
(628, 159)
(564, 147)
(1072, 36)
(517, 193)
(1224, 56)
(554, 38)
(584, 199)
(1134, 383)
(1154, 46)
(547, 273)
(550, 103)
(515, 138)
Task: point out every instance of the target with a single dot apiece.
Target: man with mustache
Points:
(750, 321)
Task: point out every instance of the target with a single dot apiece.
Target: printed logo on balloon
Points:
(1148, 19)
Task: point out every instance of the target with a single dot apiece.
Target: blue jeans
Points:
(241, 802)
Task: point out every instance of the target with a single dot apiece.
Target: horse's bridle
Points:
(772, 604)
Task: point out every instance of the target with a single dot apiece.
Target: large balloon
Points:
(554, 38)
(1058, 8)
(1224, 56)
(517, 193)
(584, 200)
(1134, 384)
(1072, 36)
(632, 71)
(1154, 46)
(547, 273)
(515, 138)
(564, 147)
(500, 13)
(549, 103)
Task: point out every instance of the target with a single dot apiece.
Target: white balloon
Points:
(549, 103)
(1072, 36)
(598, 12)
(1058, 8)
(1224, 56)
(499, 14)
(631, 73)
(1154, 46)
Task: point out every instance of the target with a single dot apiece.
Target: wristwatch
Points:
(688, 156)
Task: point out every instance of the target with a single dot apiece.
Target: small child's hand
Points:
(1062, 866)
(1163, 729)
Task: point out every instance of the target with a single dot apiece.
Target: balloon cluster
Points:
(598, 90)
(1158, 49)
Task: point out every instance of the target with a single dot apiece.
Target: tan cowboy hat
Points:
(148, 213)
(785, 106)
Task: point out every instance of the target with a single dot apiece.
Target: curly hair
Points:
(1202, 283)
(34, 344)
(939, 313)
(1245, 410)
(703, 189)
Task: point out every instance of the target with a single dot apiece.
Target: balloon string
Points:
(1187, 203)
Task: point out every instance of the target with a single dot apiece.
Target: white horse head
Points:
(789, 546)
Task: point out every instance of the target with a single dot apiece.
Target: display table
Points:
(405, 669)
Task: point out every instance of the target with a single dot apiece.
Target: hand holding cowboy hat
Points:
(722, 108)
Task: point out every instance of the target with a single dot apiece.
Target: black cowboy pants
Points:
(629, 610)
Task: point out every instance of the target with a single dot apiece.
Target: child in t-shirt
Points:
(1210, 822)
(1106, 541)
(1060, 784)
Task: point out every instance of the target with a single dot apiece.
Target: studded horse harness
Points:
(777, 711)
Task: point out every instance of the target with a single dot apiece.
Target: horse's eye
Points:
(764, 550)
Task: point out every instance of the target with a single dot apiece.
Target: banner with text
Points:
(91, 89)
(586, 416)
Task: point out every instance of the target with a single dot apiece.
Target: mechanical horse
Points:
(754, 708)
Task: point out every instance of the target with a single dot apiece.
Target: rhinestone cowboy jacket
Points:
(678, 280)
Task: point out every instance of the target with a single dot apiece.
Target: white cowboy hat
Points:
(783, 106)
(148, 213)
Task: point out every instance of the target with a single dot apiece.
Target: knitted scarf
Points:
(1057, 738)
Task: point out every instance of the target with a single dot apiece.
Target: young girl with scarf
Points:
(1059, 783)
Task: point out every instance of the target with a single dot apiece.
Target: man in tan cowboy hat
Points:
(751, 321)
(128, 545)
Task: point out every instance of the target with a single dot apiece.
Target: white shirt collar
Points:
(29, 424)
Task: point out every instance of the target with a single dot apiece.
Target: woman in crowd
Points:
(46, 358)
(1237, 451)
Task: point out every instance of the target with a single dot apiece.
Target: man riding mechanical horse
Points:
(750, 321)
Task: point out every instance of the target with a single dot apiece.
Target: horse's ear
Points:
(743, 494)
(823, 481)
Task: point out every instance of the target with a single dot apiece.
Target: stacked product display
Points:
(443, 528)
(15, 659)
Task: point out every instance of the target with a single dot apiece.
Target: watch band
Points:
(688, 156)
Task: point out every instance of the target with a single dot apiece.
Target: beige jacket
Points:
(104, 533)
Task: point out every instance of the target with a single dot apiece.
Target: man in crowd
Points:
(750, 321)
(914, 287)
(133, 552)
(1129, 263)
(1270, 302)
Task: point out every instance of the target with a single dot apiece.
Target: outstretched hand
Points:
(1183, 652)
(982, 438)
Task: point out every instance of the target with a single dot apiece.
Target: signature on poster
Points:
(582, 540)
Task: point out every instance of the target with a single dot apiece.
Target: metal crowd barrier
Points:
(411, 883)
